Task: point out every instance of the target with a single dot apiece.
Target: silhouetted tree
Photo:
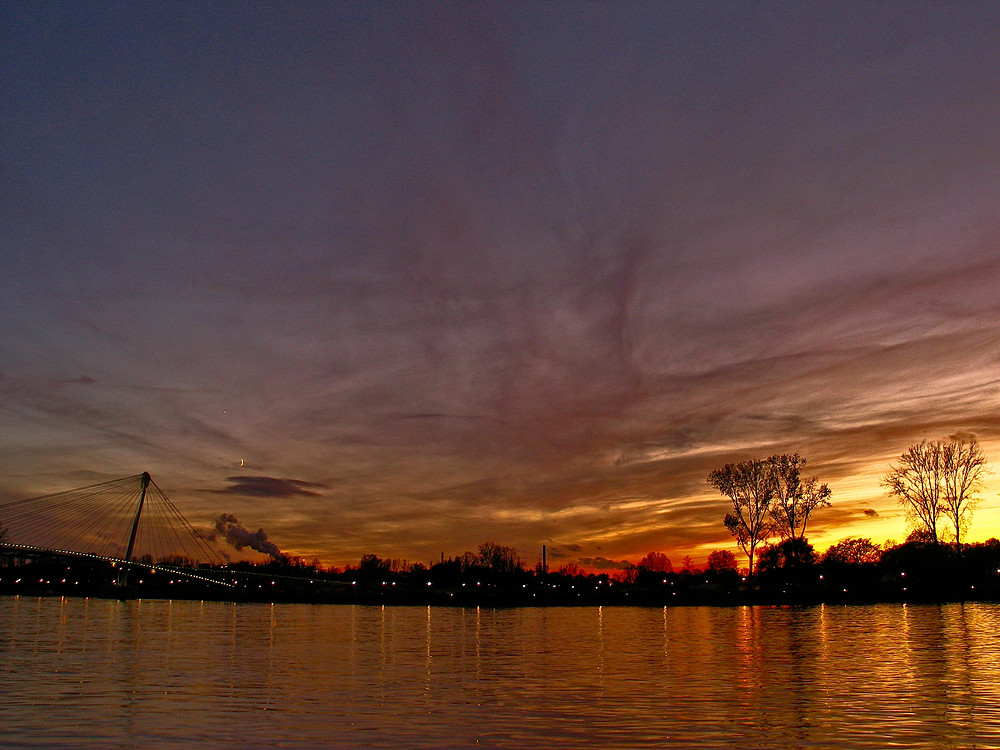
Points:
(917, 536)
(750, 487)
(853, 564)
(502, 561)
(652, 568)
(917, 482)
(964, 467)
(984, 559)
(722, 560)
(656, 562)
(927, 565)
(569, 570)
(468, 560)
(687, 564)
(628, 574)
(853, 551)
(447, 572)
(790, 557)
(934, 479)
(417, 570)
(373, 567)
(795, 498)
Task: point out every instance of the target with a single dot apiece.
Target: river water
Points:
(92, 673)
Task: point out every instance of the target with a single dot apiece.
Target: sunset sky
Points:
(405, 278)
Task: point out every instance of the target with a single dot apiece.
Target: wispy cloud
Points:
(508, 276)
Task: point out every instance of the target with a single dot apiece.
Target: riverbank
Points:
(912, 572)
(543, 595)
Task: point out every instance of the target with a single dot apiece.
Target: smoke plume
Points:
(229, 528)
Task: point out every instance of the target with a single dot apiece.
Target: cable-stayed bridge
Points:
(126, 523)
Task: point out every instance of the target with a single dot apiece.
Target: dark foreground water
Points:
(109, 674)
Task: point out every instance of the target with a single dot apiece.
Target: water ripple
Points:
(96, 673)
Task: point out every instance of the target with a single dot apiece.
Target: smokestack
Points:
(545, 567)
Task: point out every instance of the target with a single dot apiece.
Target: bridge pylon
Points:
(143, 486)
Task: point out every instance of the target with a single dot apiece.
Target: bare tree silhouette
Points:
(964, 467)
(750, 487)
(939, 478)
(795, 497)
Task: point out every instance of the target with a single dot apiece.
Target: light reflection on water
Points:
(98, 673)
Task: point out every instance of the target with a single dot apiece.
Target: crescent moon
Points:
(241, 462)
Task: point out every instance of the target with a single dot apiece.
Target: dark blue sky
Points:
(437, 274)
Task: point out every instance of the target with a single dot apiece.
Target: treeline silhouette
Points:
(851, 571)
(770, 504)
(937, 483)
